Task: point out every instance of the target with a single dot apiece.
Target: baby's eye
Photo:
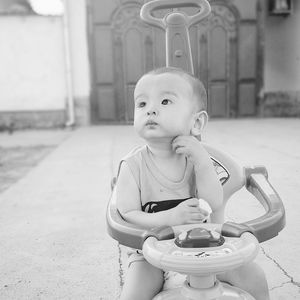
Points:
(141, 104)
(165, 102)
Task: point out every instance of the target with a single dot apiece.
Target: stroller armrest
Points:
(128, 234)
(273, 221)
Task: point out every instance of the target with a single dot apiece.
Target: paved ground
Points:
(24, 150)
(53, 236)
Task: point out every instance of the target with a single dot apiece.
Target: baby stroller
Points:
(201, 251)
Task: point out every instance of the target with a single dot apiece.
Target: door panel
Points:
(106, 103)
(104, 59)
(224, 49)
(102, 10)
(247, 50)
(247, 105)
(130, 102)
(218, 51)
(159, 48)
(218, 103)
(247, 69)
(220, 31)
(218, 76)
(133, 56)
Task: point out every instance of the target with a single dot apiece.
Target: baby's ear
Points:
(199, 122)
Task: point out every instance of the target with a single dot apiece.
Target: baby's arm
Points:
(129, 205)
(207, 182)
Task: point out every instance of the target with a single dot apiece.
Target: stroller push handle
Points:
(176, 25)
(150, 7)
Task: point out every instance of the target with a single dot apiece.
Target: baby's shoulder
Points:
(134, 162)
(134, 158)
(135, 153)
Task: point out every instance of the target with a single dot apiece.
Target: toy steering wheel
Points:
(201, 252)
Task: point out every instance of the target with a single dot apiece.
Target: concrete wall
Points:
(282, 51)
(247, 8)
(34, 72)
(282, 64)
(32, 64)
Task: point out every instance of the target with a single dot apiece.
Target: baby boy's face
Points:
(164, 106)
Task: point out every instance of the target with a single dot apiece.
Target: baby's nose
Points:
(151, 112)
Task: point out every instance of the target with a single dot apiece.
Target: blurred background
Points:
(66, 63)
(74, 63)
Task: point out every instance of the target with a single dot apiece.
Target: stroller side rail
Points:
(273, 221)
(128, 234)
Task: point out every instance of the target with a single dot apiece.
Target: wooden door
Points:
(123, 48)
(217, 59)
(137, 49)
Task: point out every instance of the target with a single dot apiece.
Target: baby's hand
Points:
(205, 208)
(188, 212)
(191, 148)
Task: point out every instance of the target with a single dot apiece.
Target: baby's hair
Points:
(197, 86)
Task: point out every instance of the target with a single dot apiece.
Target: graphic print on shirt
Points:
(156, 206)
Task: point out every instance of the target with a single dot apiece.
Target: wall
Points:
(246, 8)
(32, 66)
(282, 64)
(33, 73)
(282, 51)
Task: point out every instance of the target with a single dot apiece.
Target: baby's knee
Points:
(139, 291)
(143, 281)
(135, 293)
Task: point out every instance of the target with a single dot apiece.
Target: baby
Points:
(161, 183)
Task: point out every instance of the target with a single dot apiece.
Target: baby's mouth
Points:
(151, 123)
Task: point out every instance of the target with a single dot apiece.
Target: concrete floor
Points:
(53, 236)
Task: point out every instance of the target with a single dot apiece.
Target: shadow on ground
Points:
(15, 162)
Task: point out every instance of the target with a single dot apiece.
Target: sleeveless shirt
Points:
(157, 192)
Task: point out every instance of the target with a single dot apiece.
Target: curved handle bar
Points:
(263, 228)
(148, 8)
(176, 24)
(273, 221)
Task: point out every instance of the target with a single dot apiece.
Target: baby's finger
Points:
(178, 141)
(194, 202)
(175, 145)
(204, 205)
(198, 217)
(195, 209)
(180, 150)
(204, 212)
(175, 140)
(192, 221)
